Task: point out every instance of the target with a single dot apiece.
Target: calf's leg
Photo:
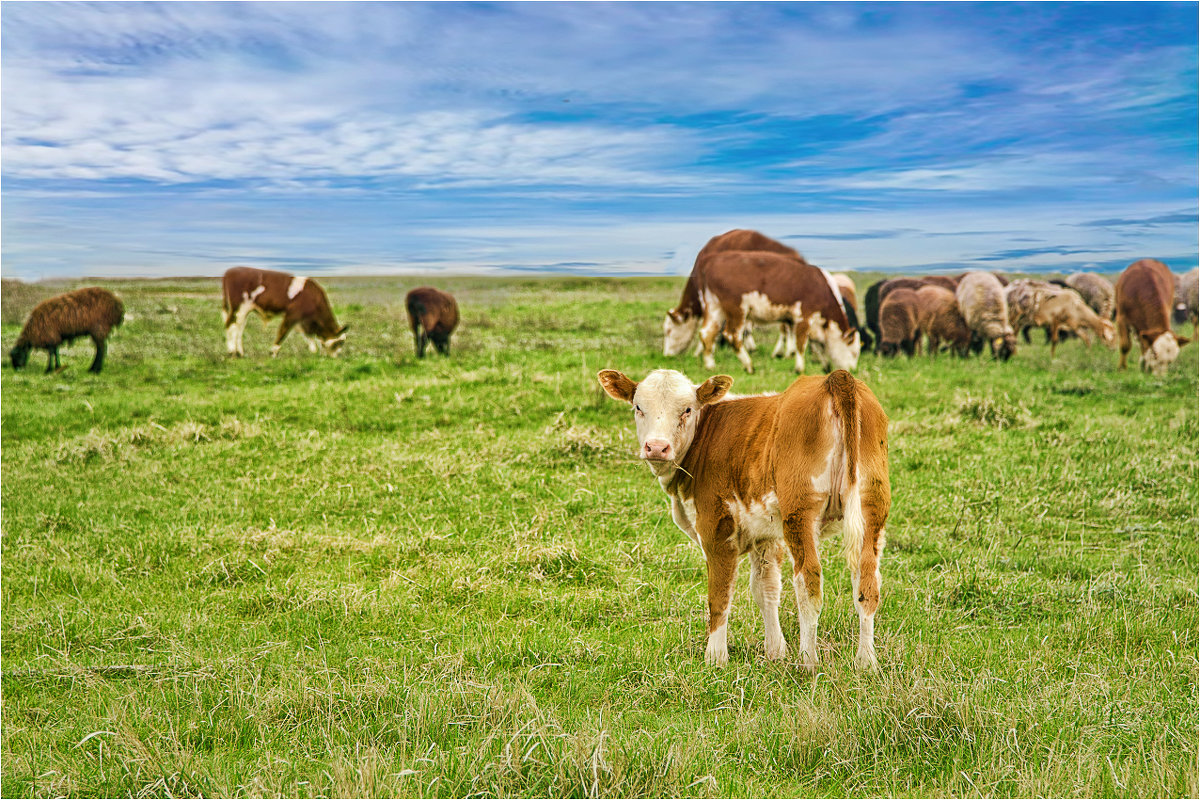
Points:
(722, 560)
(1123, 338)
(800, 533)
(765, 585)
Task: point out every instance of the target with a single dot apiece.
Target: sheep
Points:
(1186, 299)
(981, 300)
(1066, 310)
(1023, 298)
(90, 312)
(1097, 292)
(939, 319)
(898, 323)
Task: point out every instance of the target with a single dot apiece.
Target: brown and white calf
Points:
(271, 294)
(681, 323)
(768, 476)
(1144, 295)
(739, 287)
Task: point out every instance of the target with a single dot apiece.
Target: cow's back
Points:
(742, 239)
(1144, 293)
(781, 279)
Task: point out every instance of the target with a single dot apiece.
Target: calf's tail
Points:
(843, 393)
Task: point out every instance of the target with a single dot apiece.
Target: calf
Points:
(433, 315)
(269, 293)
(681, 323)
(1144, 293)
(769, 287)
(760, 474)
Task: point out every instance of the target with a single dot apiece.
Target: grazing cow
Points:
(769, 287)
(981, 300)
(1186, 299)
(681, 323)
(269, 293)
(756, 474)
(1144, 293)
(939, 319)
(433, 315)
(898, 329)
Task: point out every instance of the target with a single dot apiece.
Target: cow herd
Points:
(742, 276)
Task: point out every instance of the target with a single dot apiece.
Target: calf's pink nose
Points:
(657, 449)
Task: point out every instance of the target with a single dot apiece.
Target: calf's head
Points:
(678, 331)
(666, 406)
(1159, 351)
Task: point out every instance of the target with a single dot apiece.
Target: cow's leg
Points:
(421, 341)
(748, 339)
(442, 343)
(734, 327)
(284, 328)
(800, 533)
(1123, 338)
(765, 584)
(235, 326)
(722, 558)
(799, 341)
(713, 322)
(101, 348)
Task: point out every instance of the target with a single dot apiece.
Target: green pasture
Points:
(378, 576)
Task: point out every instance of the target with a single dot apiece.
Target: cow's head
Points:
(678, 331)
(333, 346)
(666, 406)
(832, 347)
(1159, 351)
(19, 355)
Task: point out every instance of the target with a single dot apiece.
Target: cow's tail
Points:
(851, 313)
(844, 396)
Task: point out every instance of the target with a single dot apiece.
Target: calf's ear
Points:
(1147, 340)
(617, 385)
(342, 332)
(1181, 340)
(713, 389)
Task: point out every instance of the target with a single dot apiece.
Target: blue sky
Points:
(184, 138)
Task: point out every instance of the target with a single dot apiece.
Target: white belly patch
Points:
(758, 307)
(295, 286)
(758, 519)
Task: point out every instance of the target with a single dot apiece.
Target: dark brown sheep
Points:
(90, 312)
(898, 323)
(433, 315)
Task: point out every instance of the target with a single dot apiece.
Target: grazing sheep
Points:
(981, 300)
(1097, 292)
(1186, 299)
(871, 311)
(939, 319)
(944, 281)
(433, 315)
(898, 323)
(1024, 297)
(1067, 311)
(90, 312)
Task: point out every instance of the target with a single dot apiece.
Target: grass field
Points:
(378, 576)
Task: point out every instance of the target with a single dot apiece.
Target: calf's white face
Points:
(678, 332)
(666, 406)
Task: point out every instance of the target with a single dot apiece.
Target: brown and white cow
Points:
(769, 475)
(1144, 295)
(270, 293)
(769, 287)
(679, 328)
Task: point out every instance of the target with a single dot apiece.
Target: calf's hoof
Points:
(777, 652)
(716, 658)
